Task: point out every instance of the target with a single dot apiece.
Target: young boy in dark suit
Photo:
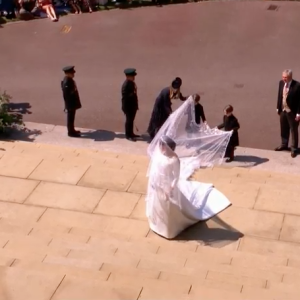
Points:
(199, 111)
(195, 115)
(230, 122)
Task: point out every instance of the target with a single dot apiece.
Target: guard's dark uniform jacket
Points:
(70, 94)
(129, 97)
(72, 103)
(130, 106)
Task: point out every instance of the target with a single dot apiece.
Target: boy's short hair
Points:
(196, 97)
(228, 108)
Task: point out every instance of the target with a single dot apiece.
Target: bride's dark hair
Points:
(168, 141)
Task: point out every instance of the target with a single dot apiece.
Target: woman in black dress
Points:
(163, 106)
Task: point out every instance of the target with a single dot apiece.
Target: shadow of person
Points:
(20, 108)
(100, 135)
(106, 135)
(250, 160)
(214, 232)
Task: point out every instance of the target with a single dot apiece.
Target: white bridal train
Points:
(174, 202)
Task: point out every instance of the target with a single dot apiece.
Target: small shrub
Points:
(8, 119)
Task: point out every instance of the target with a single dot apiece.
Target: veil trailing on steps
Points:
(197, 145)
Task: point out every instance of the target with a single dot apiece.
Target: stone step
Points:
(19, 283)
(214, 266)
(161, 288)
(33, 154)
(30, 250)
(30, 163)
(62, 266)
(99, 251)
(86, 240)
(282, 287)
(57, 151)
(155, 286)
(287, 263)
(76, 288)
(247, 293)
(212, 273)
(270, 294)
(211, 280)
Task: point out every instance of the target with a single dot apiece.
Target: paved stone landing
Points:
(115, 142)
(73, 227)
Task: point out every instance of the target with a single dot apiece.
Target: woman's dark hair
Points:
(165, 140)
(176, 84)
(228, 109)
(179, 80)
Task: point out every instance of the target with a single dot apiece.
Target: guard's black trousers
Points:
(289, 125)
(129, 123)
(71, 120)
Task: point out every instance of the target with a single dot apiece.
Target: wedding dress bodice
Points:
(165, 171)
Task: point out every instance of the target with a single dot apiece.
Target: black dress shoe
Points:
(131, 139)
(228, 160)
(136, 136)
(293, 154)
(282, 148)
(74, 134)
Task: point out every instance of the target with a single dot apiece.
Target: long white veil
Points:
(196, 145)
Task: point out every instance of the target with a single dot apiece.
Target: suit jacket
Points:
(70, 94)
(129, 97)
(293, 97)
(199, 113)
(231, 123)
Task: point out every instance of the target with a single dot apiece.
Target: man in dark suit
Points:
(130, 103)
(71, 98)
(288, 108)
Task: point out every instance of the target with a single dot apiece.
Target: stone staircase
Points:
(73, 227)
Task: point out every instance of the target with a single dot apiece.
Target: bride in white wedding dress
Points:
(174, 203)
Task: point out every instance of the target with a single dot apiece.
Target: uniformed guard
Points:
(71, 98)
(130, 103)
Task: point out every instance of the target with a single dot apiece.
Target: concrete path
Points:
(73, 226)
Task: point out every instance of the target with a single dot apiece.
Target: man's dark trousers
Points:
(129, 123)
(71, 120)
(289, 125)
